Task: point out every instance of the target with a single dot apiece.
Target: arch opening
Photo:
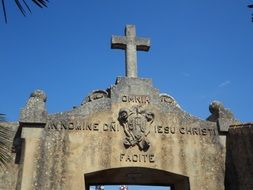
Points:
(137, 176)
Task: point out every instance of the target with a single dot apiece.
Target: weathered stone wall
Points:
(131, 128)
(239, 158)
(102, 134)
(64, 156)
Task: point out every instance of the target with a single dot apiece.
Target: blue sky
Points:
(201, 51)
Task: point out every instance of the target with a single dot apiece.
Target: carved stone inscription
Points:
(138, 99)
(82, 125)
(136, 124)
(184, 130)
(113, 126)
(148, 158)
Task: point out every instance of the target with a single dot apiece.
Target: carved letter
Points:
(121, 157)
(151, 158)
(145, 157)
(166, 130)
(172, 130)
(105, 127)
(113, 126)
(95, 127)
(182, 130)
(138, 99)
(135, 158)
(195, 131)
(128, 158)
(147, 100)
(159, 129)
(88, 127)
(203, 131)
(71, 126)
(189, 130)
(124, 98)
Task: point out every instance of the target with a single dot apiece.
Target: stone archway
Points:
(137, 176)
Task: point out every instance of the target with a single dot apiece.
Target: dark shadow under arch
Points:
(137, 176)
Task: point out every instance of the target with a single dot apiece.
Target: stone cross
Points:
(130, 43)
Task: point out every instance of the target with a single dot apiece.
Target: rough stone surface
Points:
(130, 126)
(222, 116)
(129, 134)
(239, 159)
(35, 111)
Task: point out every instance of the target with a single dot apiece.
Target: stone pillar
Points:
(31, 143)
(32, 121)
(239, 158)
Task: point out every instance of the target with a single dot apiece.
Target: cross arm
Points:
(118, 42)
(143, 44)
